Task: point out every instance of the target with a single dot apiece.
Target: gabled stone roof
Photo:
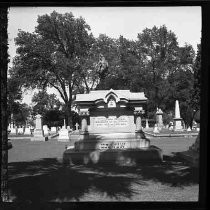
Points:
(104, 94)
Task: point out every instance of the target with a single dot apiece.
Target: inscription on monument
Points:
(111, 121)
(117, 145)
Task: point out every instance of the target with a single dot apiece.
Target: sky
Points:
(184, 21)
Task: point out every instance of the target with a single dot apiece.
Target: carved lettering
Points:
(117, 145)
(111, 121)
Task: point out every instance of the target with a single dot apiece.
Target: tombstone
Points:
(46, 130)
(63, 133)
(13, 130)
(159, 118)
(68, 128)
(170, 126)
(156, 130)
(189, 129)
(77, 126)
(177, 118)
(147, 124)
(53, 130)
(38, 132)
(111, 129)
(20, 130)
(27, 131)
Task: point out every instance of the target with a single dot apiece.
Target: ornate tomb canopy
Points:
(110, 99)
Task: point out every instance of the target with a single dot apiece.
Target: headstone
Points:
(53, 130)
(177, 118)
(13, 130)
(77, 126)
(111, 128)
(189, 129)
(63, 133)
(20, 130)
(156, 130)
(159, 118)
(27, 131)
(147, 124)
(38, 132)
(46, 130)
(68, 128)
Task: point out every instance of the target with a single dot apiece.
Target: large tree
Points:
(100, 64)
(54, 55)
(195, 101)
(43, 102)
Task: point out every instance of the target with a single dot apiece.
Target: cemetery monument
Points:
(38, 132)
(177, 118)
(63, 133)
(111, 129)
(159, 119)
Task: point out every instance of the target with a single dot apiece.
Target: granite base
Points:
(113, 156)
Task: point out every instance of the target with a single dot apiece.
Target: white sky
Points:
(185, 22)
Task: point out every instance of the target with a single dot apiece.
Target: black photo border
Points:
(205, 67)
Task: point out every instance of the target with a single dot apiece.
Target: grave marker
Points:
(38, 132)
(111, 128)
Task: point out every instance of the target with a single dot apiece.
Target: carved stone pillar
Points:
(84, 114)
(138, 115)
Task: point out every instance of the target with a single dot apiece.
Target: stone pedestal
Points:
(38, 132)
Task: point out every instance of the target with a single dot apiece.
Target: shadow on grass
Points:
(48, 180)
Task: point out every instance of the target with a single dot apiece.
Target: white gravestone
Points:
(147, 124)
(27, 131)
(63, 133)
(20, 130)
(177, 119)
(156, 129)
(38, 132)
(189, 129)
(77, 126)
(13, 130)
(159, 118)
(53, 130)
(46, 130)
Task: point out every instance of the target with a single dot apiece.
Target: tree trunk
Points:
(69, 115)
(4, 136)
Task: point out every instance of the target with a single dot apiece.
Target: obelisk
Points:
(177, 118)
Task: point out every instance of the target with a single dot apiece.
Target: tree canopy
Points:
(62, 53)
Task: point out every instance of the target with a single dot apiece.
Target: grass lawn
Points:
(36, 174)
